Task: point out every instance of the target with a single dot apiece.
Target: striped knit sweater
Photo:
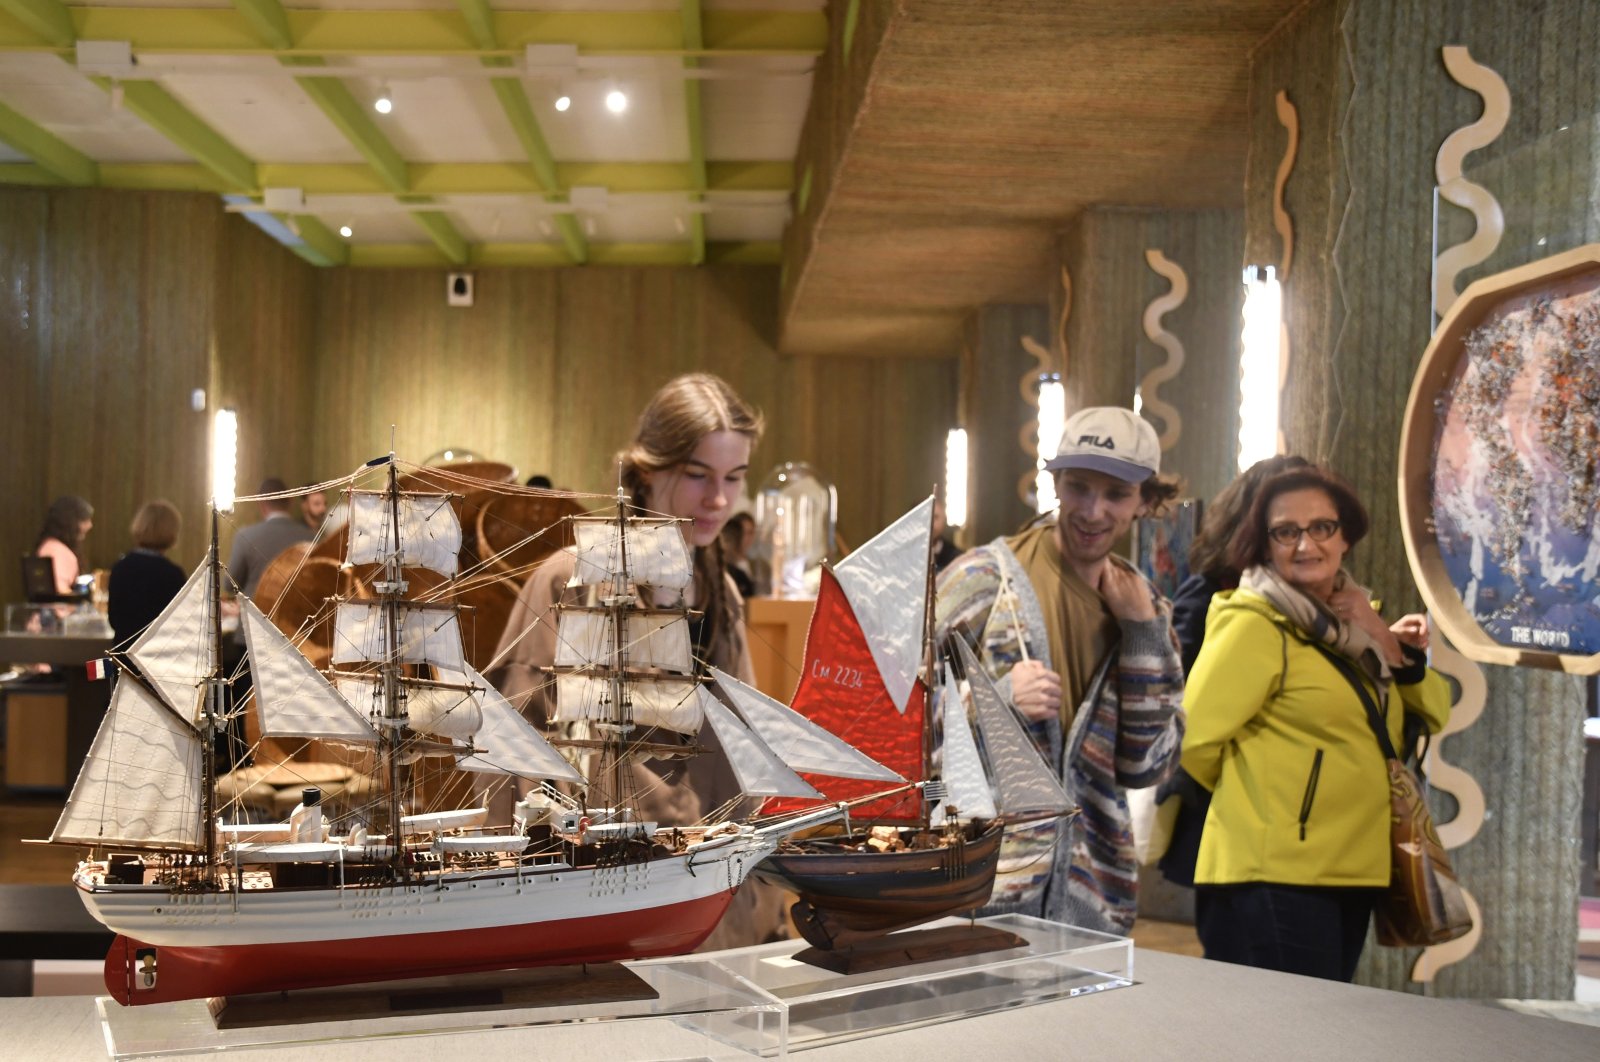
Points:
(1126, 734)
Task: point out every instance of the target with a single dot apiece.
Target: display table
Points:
(776, 629)
(86, 701)
(1181, 1008)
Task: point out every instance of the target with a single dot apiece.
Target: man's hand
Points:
(1036, 690)
(1125, 593)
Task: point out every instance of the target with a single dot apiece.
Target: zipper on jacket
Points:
(1311, 792)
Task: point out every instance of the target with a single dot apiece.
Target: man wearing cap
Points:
(1082, 645)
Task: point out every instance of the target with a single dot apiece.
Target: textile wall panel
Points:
(1376, 102)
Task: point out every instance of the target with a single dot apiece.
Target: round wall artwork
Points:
(1500, 467)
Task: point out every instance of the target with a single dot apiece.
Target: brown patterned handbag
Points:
(1425, 904)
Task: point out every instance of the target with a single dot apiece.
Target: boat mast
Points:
(620, 601)
(929, 666)
(389, 591)
(216, 689)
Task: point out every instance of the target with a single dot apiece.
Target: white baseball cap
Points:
(1109, 439)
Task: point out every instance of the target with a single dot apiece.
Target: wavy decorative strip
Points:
(1160, 306)
(1448, 778)
(1028, 435)
(1455, 188)
(1290, 119)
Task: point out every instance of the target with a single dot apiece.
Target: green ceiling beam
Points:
(508, 178)
(416, 255)
(439, 229)
(479, 17)
(52, 153)
(48, 19)
(321, 246)
(27, 173)
(694, 42)
(49, 23)
(177, 123)
(162, 177)
(267, 21)
(755, 252)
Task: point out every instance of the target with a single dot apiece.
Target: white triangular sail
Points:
(140, 783)
(451, 714)
(879, 580)
(656, 553)
(293, 699)
(175, 652)
(665, 702)
(1026, 785)
(430, 534)
(651, 639)
(509, 743)
(428, 635)
(760, 772)
(966, 788)
(799, 742)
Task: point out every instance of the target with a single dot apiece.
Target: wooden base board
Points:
(912, 946)
(547, 986)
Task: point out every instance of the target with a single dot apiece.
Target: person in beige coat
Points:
(688, 459)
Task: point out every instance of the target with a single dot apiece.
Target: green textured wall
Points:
(1375, 104)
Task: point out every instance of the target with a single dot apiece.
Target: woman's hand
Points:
(1036, 691)
(1412, 630)
(1125, 593)
(1352, 606)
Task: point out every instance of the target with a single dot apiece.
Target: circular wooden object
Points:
(1572, 275)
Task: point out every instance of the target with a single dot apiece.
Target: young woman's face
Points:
(703, 488)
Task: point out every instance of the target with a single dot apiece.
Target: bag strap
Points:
(1374, 717)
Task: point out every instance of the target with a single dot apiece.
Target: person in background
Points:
(144, 581)
(1081, 644)
(255, 546)
(1209, 572)
(1295, 850)
(689, 457)
(738, 535)
(540, 481)
(67, 521)
(313, 509)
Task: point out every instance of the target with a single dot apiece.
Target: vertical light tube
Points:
(1052, 420)
(224, 458)
(955, 477)
(1260, 361)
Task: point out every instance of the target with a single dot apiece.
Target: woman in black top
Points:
(144, 581)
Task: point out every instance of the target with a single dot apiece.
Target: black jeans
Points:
(1303, 929)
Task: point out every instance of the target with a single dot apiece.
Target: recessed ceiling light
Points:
(563, 101)
(346, 231)
(616, 101)
(384, 103)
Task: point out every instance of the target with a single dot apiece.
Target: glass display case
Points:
(795, 514)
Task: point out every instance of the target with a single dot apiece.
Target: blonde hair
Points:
(684, 411)
(156, 525)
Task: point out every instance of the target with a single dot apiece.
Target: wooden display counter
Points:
(48, 732)
(777, 632)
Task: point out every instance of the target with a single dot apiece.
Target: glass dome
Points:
(795, 513)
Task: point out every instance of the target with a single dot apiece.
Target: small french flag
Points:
(97, 668)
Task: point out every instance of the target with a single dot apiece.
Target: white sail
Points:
(509, 743)
(760, 772)
(1024, 782)
(292, 697)
(428, 634)
(140, 783)
(430, 534)
(656, 553)
(799, 742)
(174, 653)
(878, 579)
(444, 713)
(665, 702)
(966, 788)
(651, 639)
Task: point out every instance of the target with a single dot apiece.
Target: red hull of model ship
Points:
(197, 973)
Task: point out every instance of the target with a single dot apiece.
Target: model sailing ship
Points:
(204, 906)
(931, 850)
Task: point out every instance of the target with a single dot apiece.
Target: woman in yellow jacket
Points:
(1296, 844)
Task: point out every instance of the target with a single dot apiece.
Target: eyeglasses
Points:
(1289, 534)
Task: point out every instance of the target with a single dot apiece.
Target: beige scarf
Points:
(1316, 620)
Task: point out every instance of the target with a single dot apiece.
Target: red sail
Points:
(841, 691)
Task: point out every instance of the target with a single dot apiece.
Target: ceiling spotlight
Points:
(563, 101)
(616, 101)
(384, 103)
(346, 231)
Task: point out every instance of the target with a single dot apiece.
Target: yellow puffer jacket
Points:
(1300, 791)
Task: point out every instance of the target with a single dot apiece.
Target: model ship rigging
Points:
(204, 906)
(933, 850)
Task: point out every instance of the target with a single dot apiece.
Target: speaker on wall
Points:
(458, 289)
